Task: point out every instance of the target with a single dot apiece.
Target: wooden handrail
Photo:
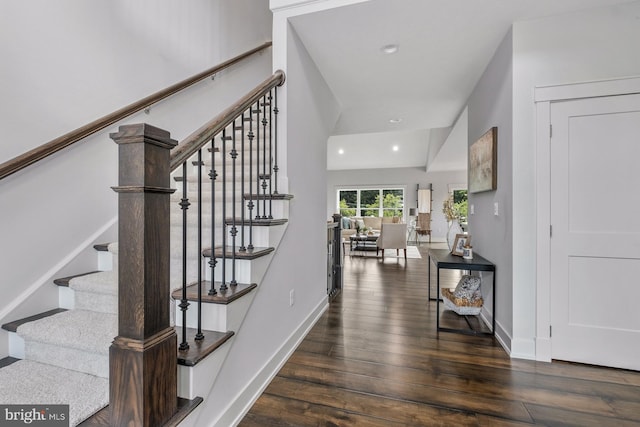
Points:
(192, 143)
(32, 156)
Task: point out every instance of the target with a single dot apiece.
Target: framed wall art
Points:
(483, 162)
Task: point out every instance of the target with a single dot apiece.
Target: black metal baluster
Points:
(184, 303)
(242, 177)
(223, 286)
(270, 155)
(212, 176)
(264, 157)
(257, 111)
(275, 138)
(250, 204)
(234, 228)
(199, 334)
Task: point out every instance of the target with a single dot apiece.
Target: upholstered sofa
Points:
(349, 225)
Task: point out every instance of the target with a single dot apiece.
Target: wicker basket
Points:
(461, 306)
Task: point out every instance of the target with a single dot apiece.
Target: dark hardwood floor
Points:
(375, 359)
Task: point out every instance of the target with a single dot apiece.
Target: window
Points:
(460, 204)
(371, 202)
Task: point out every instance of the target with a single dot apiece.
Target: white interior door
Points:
(595, 243)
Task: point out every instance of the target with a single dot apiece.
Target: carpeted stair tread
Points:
(102, 282)
(13, 326)
(29, 383)
(76, 329)
(64, 281)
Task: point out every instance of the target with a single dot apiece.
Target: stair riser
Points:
(16, 346)
(192, 193)
(261, 236)
(96, 302)
(196, 380)
(192, 215)
(66, 298)
(106, 261)
(68, 358)
(247, 271)
(192, 177)
(256, 159)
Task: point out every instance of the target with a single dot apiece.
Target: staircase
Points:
(233, 220)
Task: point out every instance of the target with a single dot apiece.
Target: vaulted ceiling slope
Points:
(443, 48)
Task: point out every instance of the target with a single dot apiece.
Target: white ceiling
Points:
(444, 46)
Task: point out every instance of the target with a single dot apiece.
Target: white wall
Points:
(408, 178)
(270, 330)
(69, 62)
(596, 44)
(491, 104)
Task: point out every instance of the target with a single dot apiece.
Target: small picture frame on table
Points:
(459, 243)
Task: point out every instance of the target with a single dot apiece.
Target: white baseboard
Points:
(500, 333)
(242, 403)
(523, 349)
(503, 338)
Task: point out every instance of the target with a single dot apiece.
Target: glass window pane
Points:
(369, 198)
(370, 202)
(393, 202)
(348, 202)
(460, 204)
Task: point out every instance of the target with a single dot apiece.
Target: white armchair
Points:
(392, 236)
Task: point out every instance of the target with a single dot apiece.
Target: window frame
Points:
(381, 189)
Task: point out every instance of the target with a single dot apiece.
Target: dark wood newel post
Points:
(142, 358)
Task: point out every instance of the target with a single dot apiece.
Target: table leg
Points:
(437, 299)
(493, 307)
(429, 277)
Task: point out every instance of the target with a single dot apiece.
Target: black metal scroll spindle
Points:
(184, 303)
(264, 157)
(234, 228)
(250, 204)
(223, 286)
(257, 198)
(275, 139)
(243, 248)
(199, 334)
(270, 155)
(212, 176)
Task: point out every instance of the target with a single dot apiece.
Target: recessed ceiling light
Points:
(395, 148)
(395, 121)
(341, 151)
(389, 49)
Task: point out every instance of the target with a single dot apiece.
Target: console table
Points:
(443, 259)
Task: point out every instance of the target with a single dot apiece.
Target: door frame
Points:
(544, 96)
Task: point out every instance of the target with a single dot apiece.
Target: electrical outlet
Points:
(292, 295)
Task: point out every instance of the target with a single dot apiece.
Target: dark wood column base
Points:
(138, 369)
